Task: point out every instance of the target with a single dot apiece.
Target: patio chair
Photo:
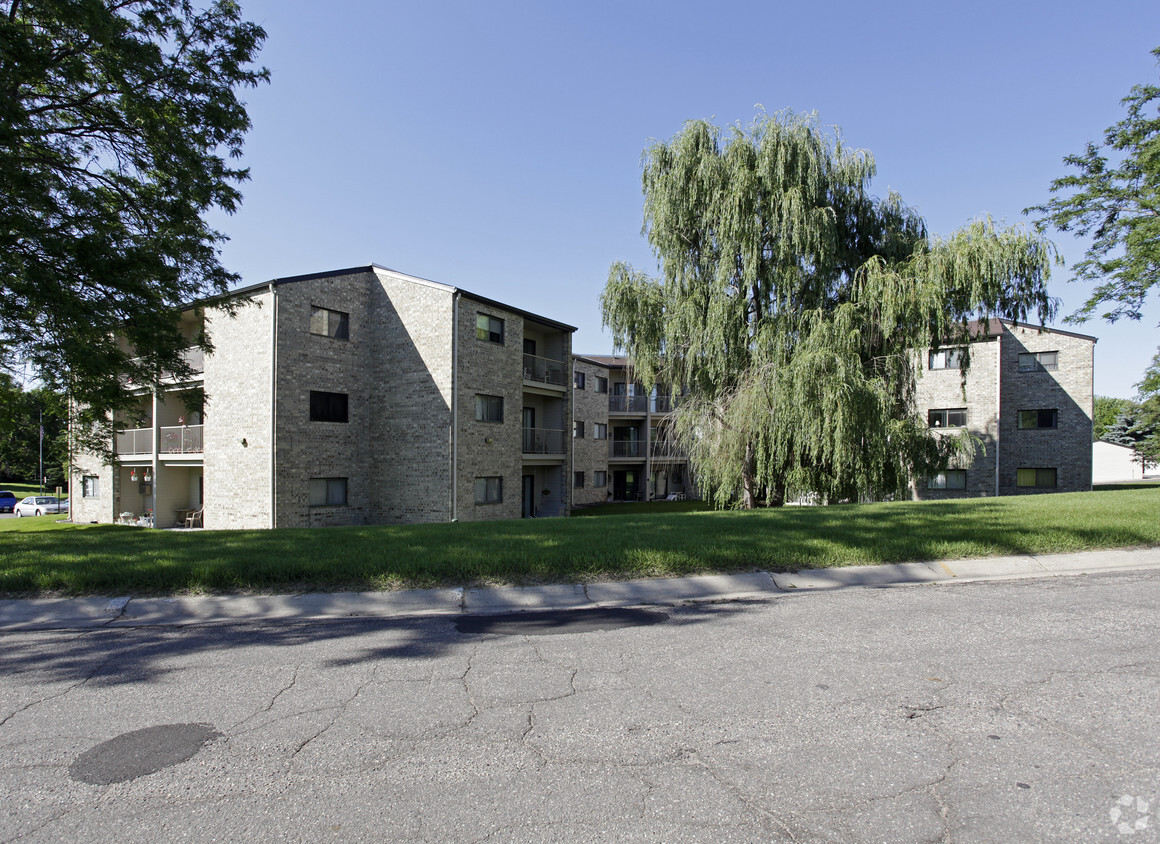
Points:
(194, 519)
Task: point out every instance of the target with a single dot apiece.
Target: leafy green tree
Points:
(22, 413)
(790, 304)
(1114, 197)
(1147, 427)
(118, 123)
(1106, 411)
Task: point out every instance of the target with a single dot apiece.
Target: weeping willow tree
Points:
(790, 306)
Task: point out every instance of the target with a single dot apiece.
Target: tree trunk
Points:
(748, 484)
(777, 498)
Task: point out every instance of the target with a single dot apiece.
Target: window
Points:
(951, 417)
(578, 430)
(327, 492)
(1041, 478)
(488, 490)
(1038, 418)
(578, 480)
(946, 358)
(90, 486)
(599, 431)
(1036, 361)
(327, 407)
(578, 380)
(489, 328)
(329, 323)
(488, 408)
(950, 479)
(599, 479)
(601, 384)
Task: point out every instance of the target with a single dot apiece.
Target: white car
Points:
(38, 505)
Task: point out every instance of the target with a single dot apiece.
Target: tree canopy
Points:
(1113, 196)
(22, 413)
(791, 303)
(119, 120)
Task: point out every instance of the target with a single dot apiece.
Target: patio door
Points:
(528, 497)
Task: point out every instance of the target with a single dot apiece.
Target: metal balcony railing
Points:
(665, 450)
(134, 441)
(626, 448)
(195, 357)
(543, 441)
(628, 404)
(545, 370)
(182, 439)
(663, 404)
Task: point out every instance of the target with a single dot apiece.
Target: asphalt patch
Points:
(556, 622)
(141, 752)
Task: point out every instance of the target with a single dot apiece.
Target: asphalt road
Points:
(1003, 711)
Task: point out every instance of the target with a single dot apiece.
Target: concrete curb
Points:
(126, 612)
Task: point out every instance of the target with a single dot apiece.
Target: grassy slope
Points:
(42, 556)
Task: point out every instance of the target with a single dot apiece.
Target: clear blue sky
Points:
(496, 146)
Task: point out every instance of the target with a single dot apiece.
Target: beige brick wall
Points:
(591, 455)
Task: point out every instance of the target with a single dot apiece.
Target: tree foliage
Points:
(1105, 413)
(22, 413)
(790, 304)
(1114, 197)
(118, 123)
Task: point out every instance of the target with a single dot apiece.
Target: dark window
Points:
(950, 479)
(488, 490)
(578, 480)
(1036, 361)
(327, 407)
(578, 380)
(599, 431)
(601, 384)
(329, 323)
(578, 430)
(488, 408)
(599, 479)
(1041, 478)
(945, 358)
(489, 328)
(951, 417)
(1038, 418)
(327, 492)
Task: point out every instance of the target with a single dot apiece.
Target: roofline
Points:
(372, 268)
(1014, 324)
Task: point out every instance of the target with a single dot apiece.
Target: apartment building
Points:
(1027, 397)
(622, 446)
(356, 396)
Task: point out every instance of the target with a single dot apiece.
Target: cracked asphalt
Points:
(1000, 711)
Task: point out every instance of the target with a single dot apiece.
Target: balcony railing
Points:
(626, 448)
(628, 404)
(195, 357)
(543, 441)
(545, 370)
(134, 441)
(183, 439)
(664, 450)
(663, 404)
(179, 439)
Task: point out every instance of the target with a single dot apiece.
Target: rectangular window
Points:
(945, 359)
(327, 407)
(578, 380)
(488, 490)
(950, 417)
(950, 479)
(601, 384)
(90, 486)
(599, 431)
(578, 430)
(327, 492)
(1039, 478)
(599, 479)
(489, 328)
(328, 323)
(578, 480)
(1038, 418)
(1036, 361)
(488, 408)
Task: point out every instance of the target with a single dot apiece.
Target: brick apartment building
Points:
(357, 396)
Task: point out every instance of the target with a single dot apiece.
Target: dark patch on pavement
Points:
(141, 752)
(554, 622)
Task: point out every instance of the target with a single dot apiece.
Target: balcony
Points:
(628, 404)
(545, 370)
(663, 404)
(665, 450)
(626, 448)
(543, 441)
(180, 439)
(195, 357)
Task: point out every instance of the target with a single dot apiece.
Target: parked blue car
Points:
(7, 501)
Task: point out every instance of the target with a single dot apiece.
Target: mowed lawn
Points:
(42, 556)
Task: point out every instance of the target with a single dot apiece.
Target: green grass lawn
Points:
(41, 556)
